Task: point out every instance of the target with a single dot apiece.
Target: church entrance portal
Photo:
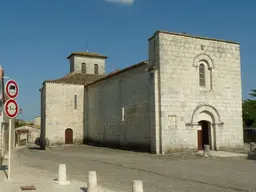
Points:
(203, 135)
(68, 136)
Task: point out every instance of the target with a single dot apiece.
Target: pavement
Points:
(116, 169)
(223, 154)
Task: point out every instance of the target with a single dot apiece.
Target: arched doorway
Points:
(68, 136)
(204, 135)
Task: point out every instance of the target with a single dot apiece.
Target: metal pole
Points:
(2, 139)
(9, 146)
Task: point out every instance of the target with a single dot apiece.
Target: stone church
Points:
(185, 95)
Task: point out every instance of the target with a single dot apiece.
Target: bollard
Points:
(252, 146)
(92, 182)
(137, 186)
(62, 175)
(207, 150)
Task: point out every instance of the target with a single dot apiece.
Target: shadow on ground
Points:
(35, 148)
(117, 146)
(4, 168)
(84, 189)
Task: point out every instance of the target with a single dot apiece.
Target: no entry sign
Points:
(11, 108)
(11, 89)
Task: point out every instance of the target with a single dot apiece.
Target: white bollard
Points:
(137, 186)
(207, 150)
(92, 182)
(62, 175)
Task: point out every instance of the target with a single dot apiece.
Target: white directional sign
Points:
(11, 108)
(11, 89)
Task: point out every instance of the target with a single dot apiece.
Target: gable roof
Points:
(76, 79)
(88, 79)
(116, 72)
(87, 54)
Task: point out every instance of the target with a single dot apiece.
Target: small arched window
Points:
(202, 75)
(83, 68)
(75, 102)
(96, 69)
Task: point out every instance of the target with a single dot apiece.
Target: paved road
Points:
(116, 169)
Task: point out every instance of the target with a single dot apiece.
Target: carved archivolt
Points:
(203, 58)
(212, 111)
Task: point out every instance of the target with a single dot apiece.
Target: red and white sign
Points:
(11, 108)
(11, 89)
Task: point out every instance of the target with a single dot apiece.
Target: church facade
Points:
(187, 94)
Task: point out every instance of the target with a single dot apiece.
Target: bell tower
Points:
(88, 63)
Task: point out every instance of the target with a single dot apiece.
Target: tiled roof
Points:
(87, 54)
(76, 78)
(116, 72)
(86, 79)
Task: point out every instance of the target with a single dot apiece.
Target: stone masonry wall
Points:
(61, 114)
(177, 58)
(117, 110)
(76, 64)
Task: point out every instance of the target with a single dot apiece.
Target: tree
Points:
(19, 123)
(253, 93)
(249, 111)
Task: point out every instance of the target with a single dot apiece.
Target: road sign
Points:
(11, 89)
(11, 108)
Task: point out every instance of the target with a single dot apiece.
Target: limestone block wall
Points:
(37, 120)
(60, 112)
(177, 58)
(33, 134)
(117, 110)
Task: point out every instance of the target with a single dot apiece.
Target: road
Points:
(116, 169)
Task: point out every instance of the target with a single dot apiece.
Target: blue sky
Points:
(37, 36)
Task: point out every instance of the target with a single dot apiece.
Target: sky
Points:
(37, 36)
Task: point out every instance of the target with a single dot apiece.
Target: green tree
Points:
(253, 93)
(249, 110)
(19, 123)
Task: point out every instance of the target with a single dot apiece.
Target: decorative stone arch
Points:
(210, 110)
(206, 113)
(206, 109)
(203, 58)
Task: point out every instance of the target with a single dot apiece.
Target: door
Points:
(200, 139)
(69, 136)
(203, 135)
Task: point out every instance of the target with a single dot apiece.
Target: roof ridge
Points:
(76, 78)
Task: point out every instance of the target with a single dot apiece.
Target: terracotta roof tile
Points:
(87, 54)
(86, 79)
(116, 72)
(76, 78)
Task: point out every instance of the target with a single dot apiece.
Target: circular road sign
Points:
(11, 108)
(11, 89)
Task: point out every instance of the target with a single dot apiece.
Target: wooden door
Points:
(200, 139)
(69, 136)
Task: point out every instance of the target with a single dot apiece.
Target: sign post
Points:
(11, 109)
(1, 109)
